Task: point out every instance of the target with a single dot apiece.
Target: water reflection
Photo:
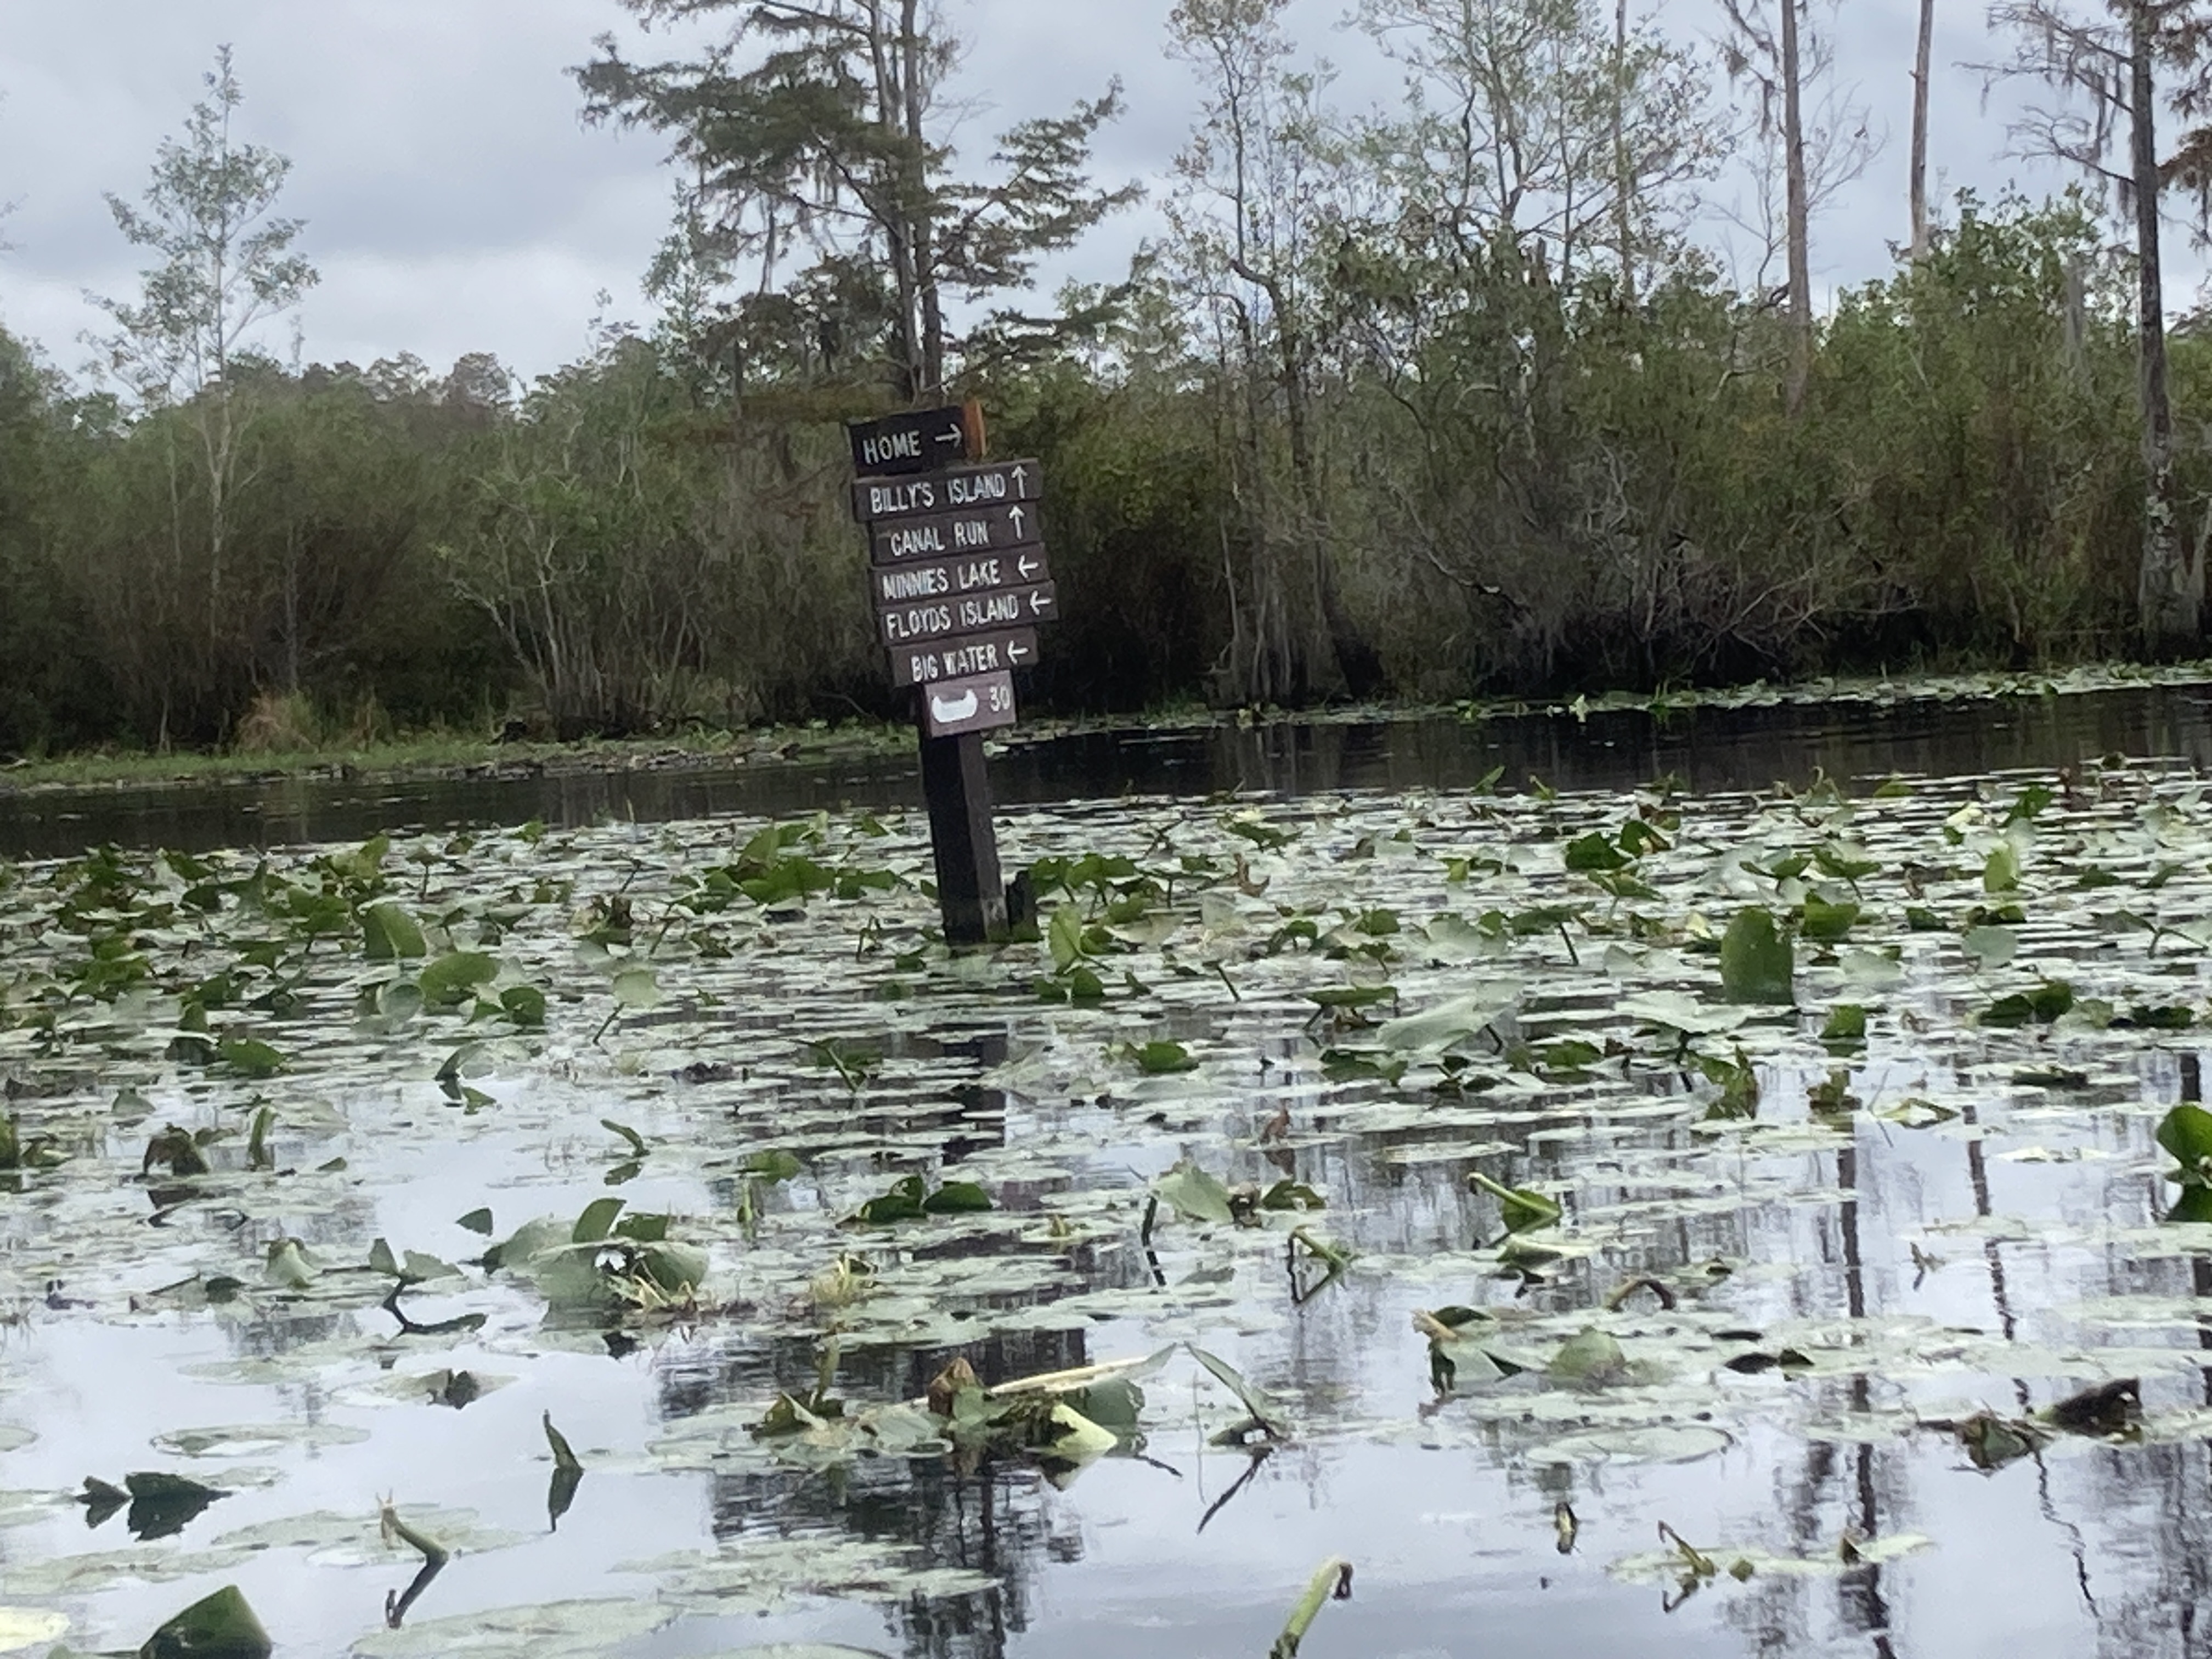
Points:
(1939, 1267)
(1709, 751)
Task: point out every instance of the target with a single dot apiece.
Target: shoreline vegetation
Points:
(455, 755)
(1366, 426)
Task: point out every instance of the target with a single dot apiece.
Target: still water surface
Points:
(1708, 750)
(1997, 1252)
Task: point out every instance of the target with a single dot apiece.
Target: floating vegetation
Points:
(1633, 1138)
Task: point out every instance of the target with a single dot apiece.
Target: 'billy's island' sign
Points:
(959, 581)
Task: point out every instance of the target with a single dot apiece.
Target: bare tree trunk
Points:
(2168, 591)
(918, 214)
(1624, 182)
(892, 61)
(1920, 128)
(1338, 658)
(1799, 210)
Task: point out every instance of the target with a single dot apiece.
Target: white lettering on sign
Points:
(970, 532)
(970, 492)
(925, 582)
(981, 657)
(998, 611)
(917, 662)
(922, 622)
(983, 573)
(887, 500)
(919, 538)
(891, 446)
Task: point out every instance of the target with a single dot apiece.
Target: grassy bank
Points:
(445, 754)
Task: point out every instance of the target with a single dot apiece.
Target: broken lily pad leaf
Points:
(217, 1626)
(1196, 1194)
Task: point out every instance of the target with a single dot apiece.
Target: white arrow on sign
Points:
(1029, 567)
(1014, 517)
(1017, 475)
(950, 436)
(1018, 653)
(1037, 604)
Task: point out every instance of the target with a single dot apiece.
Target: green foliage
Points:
(1757, 962)
(217, 1626)
(910, 1198)
(2040, 1006)
(1528, 483)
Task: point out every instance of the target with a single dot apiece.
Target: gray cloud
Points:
(454, 201)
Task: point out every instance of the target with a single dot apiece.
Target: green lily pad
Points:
(1757, 964)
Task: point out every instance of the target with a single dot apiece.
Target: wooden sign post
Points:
(958, 578)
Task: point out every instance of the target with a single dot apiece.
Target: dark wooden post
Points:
(963, 838)
(956, 565)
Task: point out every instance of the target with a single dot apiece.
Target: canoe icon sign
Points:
(945, 710)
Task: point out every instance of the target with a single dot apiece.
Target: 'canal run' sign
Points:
(980, 529)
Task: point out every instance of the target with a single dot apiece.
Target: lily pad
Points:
(584, 1629)
(1757, 962)
(1658, 1443)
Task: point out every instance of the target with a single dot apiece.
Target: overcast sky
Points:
(454, 201)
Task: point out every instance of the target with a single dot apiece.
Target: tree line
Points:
(1434, 402)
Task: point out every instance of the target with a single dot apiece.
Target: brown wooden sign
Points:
(960, 490)
(961, 658)
(982, 530)
(982, 703)
(918, 441)
(974, 613)
(959, 581)
(897, 585)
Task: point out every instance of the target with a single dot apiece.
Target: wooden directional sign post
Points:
(957, 575)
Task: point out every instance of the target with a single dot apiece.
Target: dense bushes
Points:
(1509, 481)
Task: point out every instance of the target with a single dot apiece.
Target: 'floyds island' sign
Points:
(958, 578)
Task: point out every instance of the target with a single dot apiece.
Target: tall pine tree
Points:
(820, 169)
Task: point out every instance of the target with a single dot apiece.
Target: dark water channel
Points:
(1708, 750)
(1951, 1215)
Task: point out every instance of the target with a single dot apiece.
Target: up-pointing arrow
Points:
(1019, 475)
(1014, 517)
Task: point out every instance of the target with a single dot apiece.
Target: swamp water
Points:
(615, 1203)
(1729, 741)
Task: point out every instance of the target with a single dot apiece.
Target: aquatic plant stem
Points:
(1332, 1581)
